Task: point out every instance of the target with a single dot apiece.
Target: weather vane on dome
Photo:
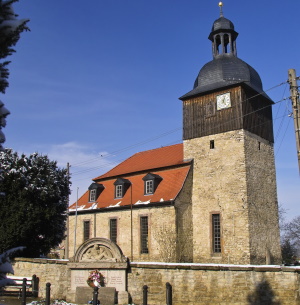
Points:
(221, 8)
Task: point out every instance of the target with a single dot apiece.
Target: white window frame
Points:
(93, 195)
(119, 191)
(149, 187)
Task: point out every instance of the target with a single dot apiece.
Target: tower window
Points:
(226, 44)
(144, 234)
(218, 44)
(86, 229)
(113, 230)
(259, 145)
(216, 233)
(212, 144)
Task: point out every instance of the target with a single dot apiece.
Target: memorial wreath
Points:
(95, 279)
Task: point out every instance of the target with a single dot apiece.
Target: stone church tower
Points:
(228, 133)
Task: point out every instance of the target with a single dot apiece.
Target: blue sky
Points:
(96, 81)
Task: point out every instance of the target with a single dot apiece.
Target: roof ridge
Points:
(150, 150)
(139, 154)
(155, 169)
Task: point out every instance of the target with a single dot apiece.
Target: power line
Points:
(283, 117)
(121, 160)
(278, 148)
(128, 147)
(179, 140)
(116, 152)
(118, 162)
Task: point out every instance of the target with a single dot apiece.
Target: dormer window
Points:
(119, 191)
(92, 195)
(121, 186)
(151, 182)
(94, 191)
(149, 187)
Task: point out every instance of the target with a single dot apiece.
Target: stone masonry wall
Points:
(192, 284)
(219, 187)
(52, 271)
(210, 284)
(184, 222)
(262, 201)
(160, 219)
(237, 180)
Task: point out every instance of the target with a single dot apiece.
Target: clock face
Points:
(223, 101)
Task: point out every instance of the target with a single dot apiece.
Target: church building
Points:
(210, 199)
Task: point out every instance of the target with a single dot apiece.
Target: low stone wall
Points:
(215, 284)
(191, 283)
(53, 271)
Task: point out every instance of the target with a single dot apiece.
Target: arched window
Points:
(218, 44)
(227, 47)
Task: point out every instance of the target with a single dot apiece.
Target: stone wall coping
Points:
(42, 260)
(162, 265)
(98, 265)
(215, 267)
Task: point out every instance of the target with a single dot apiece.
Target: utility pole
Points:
(68, 229)
(75, 229)
(296, 108)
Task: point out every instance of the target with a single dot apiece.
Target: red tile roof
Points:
(167, 162)
(146, 160)
(167, 190)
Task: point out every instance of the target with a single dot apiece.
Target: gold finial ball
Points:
(220, 4)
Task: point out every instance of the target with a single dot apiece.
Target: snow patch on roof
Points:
(143, 202)
(93, 206)
(115, 205)
(78, 208)
(161, 200)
